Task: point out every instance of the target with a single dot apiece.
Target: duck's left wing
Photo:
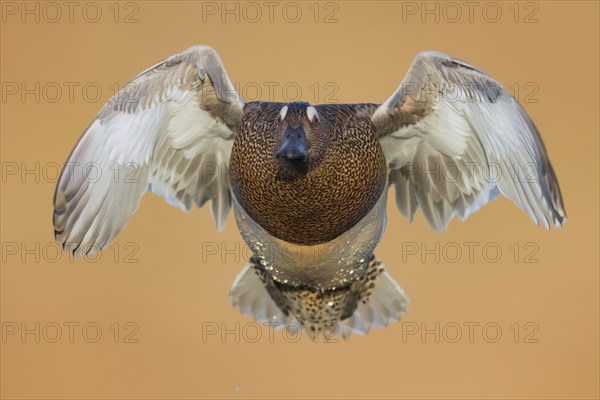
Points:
(170, 131)
(454, 139)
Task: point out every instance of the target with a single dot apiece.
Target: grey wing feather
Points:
(454, 139)
(169, 131)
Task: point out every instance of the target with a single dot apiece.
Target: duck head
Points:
(296, 123)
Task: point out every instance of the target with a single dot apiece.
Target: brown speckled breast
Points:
(344, 177)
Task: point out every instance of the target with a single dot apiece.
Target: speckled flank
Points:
(320, 311)
(313, 202)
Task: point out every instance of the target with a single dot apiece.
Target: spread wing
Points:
(169, 131)
(454, 139)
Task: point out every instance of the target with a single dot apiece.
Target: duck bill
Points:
(294, 145)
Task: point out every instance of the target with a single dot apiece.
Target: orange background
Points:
(176, 290)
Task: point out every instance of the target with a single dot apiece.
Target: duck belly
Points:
(322, 266)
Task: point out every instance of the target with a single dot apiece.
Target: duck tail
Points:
(374, 300)
(381, 301)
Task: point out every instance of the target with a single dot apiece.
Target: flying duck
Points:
(307, 183)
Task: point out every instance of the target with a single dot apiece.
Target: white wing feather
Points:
(170, 131)
(454, 139)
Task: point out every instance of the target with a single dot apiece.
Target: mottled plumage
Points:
(307, 202)
(307, 183)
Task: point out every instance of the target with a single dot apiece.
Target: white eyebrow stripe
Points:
(311, 112)
(283, 113)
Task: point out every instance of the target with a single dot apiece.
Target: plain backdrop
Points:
(150, 317)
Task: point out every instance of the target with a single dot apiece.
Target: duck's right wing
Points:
(170, 131)
(454, 139)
